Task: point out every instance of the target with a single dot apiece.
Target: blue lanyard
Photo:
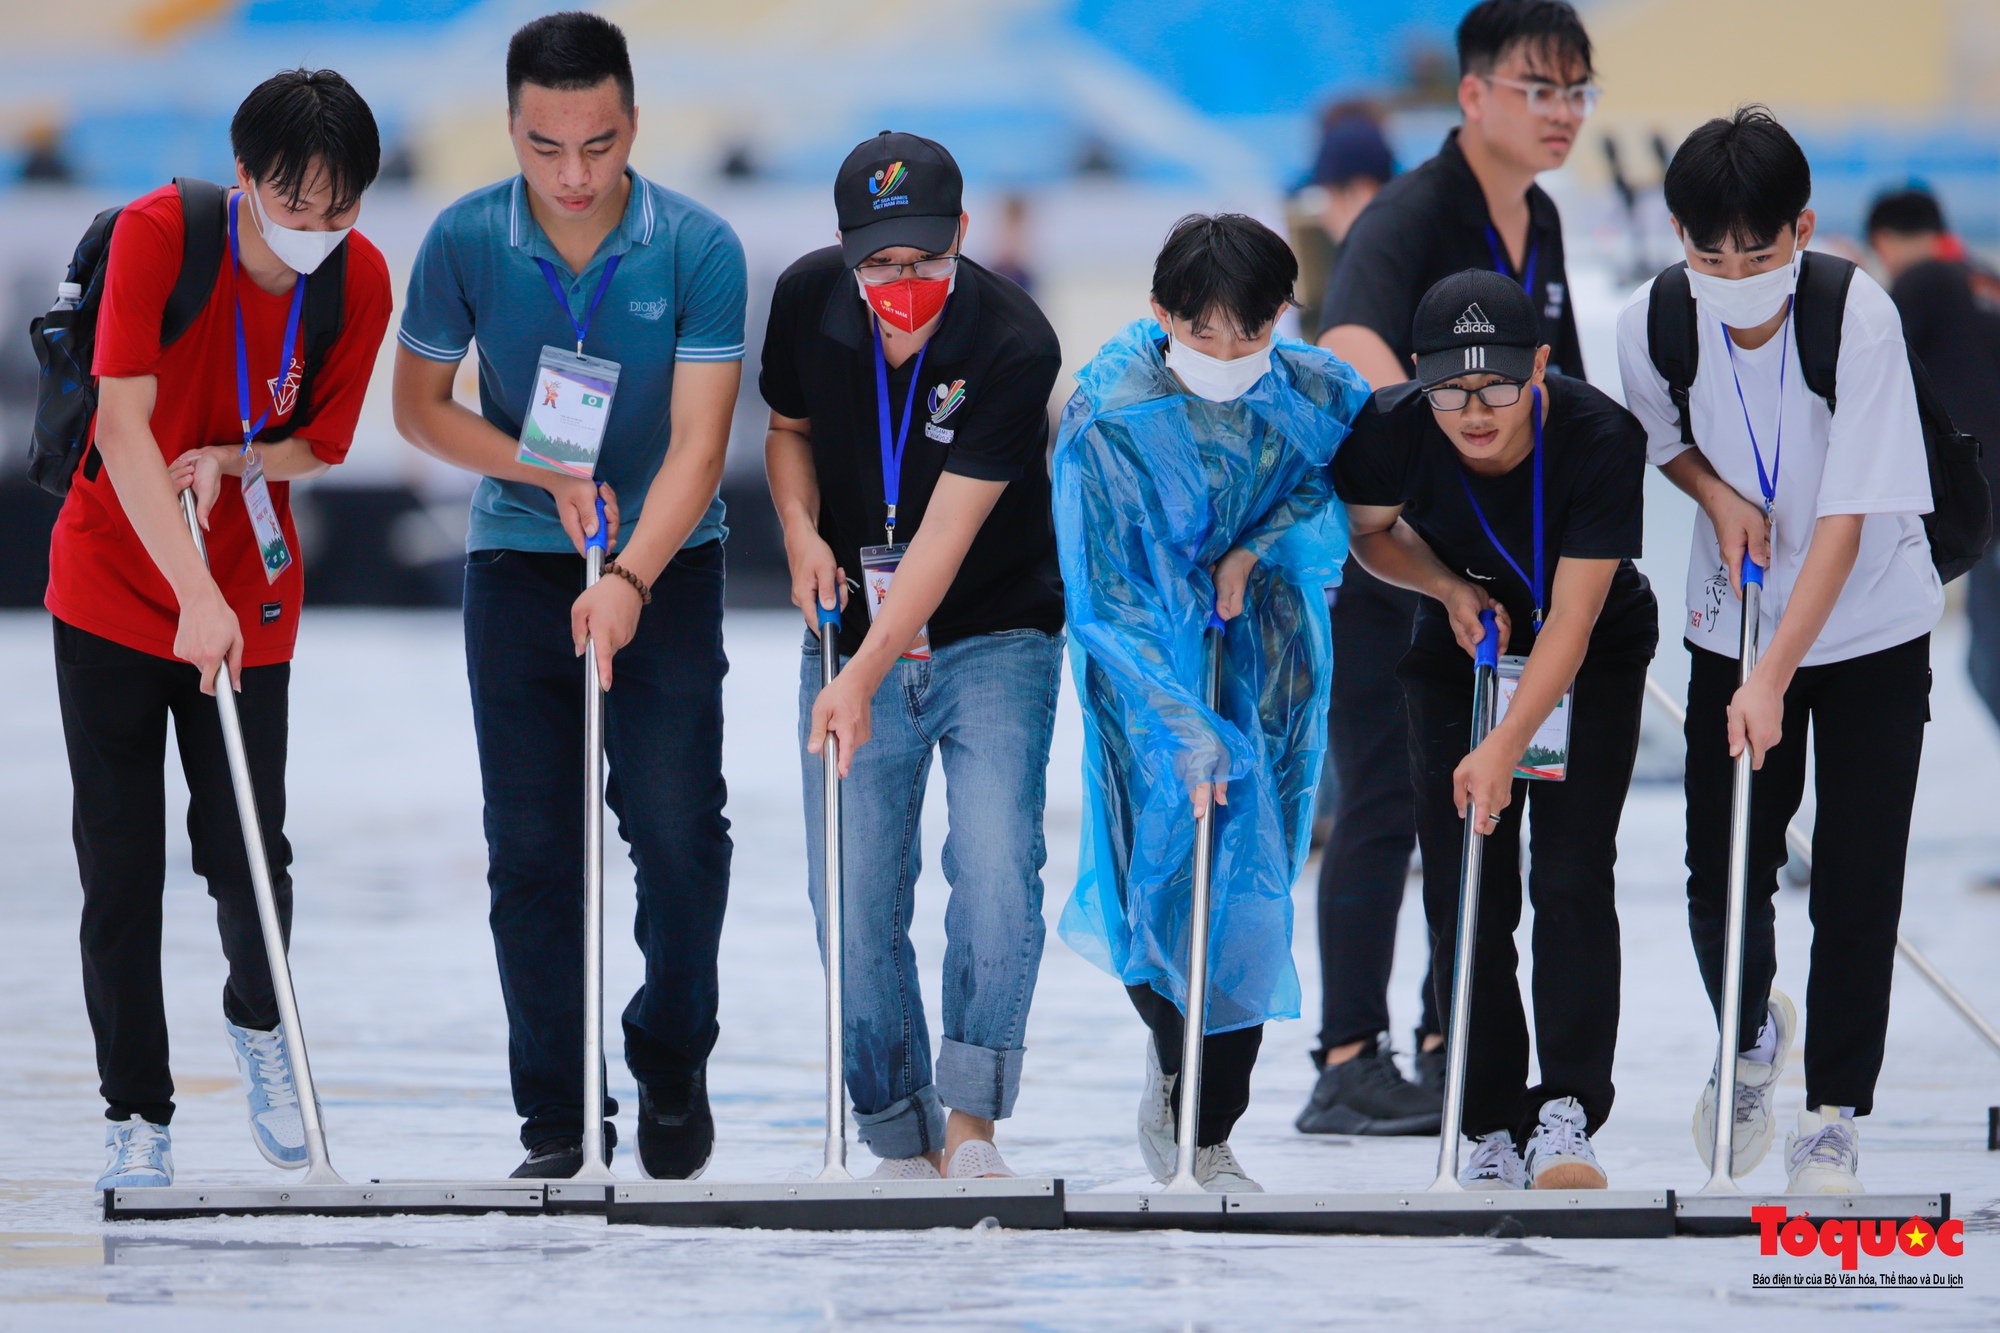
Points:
(892, 453)
(562, 299)
(1501, 265)
(251, 428)
(1536, 584)
(1766, 484)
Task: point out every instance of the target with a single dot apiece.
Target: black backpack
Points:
(66, 340)
(1960, 523)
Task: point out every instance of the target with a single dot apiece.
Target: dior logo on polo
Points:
(1474, 320)
(650, 311)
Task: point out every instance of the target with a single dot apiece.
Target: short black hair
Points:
(298, 123)
(1228, 263)
(568, 52)
(1548, 28)
(1910, 211)
(1740, 178)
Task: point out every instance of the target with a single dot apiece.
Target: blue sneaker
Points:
(140, 1153)
(275, 1124)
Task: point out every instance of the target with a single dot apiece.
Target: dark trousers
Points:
(1366, 861)
(1226, 1061)
(115, 704)
(1982, 614)
(663, 741)
(1570, 882)
(1868, 715)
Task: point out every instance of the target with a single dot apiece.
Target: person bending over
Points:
(1489, 483)
(1191, 482)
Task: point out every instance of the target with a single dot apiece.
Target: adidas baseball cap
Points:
(897, 189)
(1472, 322)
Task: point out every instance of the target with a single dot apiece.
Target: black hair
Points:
(1228, 264)
(568, 52)
(1910, 211)
(302, 122)
(1548, 28)
(1738, 178)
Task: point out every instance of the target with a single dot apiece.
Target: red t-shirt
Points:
(101, 578)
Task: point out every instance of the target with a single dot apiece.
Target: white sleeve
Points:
(1646, 394)
(1875, 460)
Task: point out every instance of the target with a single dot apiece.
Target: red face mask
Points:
(909, 303)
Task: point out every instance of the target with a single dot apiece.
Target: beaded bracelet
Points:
(638, 586)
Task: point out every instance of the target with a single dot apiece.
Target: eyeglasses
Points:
(875, 275)
(1545, 98)
(1503, 393)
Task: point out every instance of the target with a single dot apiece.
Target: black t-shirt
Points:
(1426, 225)
(1593, 481)
(1956, 335)
(981, 411)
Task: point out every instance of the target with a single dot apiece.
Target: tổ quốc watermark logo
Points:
(1848, 1239)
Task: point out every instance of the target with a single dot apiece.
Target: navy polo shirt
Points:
(678, 295)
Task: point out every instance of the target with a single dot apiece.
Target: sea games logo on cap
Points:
(884, 183)
(1847, 1239)
(944, 400)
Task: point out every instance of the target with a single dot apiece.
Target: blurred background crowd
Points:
(1084, 128)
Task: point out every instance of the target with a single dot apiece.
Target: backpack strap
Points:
(1819, 311)
(205, 215)
(1671, 338)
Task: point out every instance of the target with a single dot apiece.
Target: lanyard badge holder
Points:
(272, 551)
(879, 563)
(563, 430)
(1767, 483)
(1547, 756)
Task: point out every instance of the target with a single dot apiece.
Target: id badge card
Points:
(878, 571)
(1547, 756)
(565, 424)
(277, 557)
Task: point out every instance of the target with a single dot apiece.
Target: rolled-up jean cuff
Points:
(909, 1127)
(979, 1080)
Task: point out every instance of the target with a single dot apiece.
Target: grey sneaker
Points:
(1495, 1164)
(1823, 1156)
(1751, 1136)
(1218, 1171)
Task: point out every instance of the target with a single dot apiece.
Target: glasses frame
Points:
(1582, 97)
(1431, 395)
(881, 275)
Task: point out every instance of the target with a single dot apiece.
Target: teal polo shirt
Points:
(678, 295)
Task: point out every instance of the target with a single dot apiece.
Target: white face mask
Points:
(1217, 381)
(1744, 303)
(299, 251)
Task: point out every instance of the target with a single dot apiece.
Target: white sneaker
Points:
(276, 1127)
(138, 1152)
(904, 1168)
(976, 1158)
(1156, 1117)
(1495, 1165)
(1751, 1136)
(1559, 1155)
(1824, 1155)
(1218, 1172)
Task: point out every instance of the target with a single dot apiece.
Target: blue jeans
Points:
(663, 743)
(988, 705)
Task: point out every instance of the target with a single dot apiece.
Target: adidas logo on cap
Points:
(1474, 320)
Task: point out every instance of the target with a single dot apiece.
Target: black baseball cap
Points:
(1472, 322)
(897, 189)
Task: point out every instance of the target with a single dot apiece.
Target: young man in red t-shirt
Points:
(143, 626)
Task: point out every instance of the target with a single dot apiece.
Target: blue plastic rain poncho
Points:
(1152, 486)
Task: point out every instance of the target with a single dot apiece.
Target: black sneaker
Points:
(561, 1158)
(1429, 1067)
(676, 1132)
(1369, 1095)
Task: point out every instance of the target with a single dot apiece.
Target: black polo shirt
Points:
(1428, 224)
(981, 411)
(1593, 508)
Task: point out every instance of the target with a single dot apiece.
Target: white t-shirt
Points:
(1868, 458)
